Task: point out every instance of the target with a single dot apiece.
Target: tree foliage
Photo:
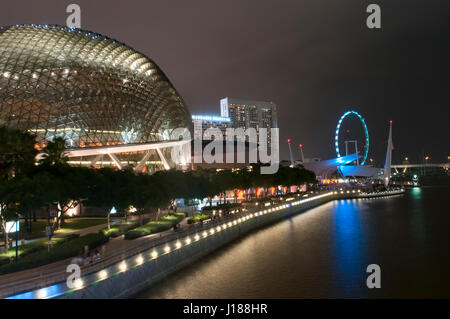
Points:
(26, 186)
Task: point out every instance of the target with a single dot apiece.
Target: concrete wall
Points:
(127, 283)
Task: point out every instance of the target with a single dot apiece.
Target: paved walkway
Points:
(81, 232)
(114, 247)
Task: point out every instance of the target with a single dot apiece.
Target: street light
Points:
(111, 212)
(426, 163)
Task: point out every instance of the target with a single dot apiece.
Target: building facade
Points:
(112, 104)
(202, 123)
(250, 114)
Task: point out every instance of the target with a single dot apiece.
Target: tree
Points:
(225, 180)
(111, 188)
(147, 195)
(65, 187)
(17, 158)
(17, 152)
(174, 183)
(205, 184)
(8, 207)
(54, 152)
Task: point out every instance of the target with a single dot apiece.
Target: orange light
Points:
(258, 192)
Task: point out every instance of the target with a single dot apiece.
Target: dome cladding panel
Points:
(85, 87)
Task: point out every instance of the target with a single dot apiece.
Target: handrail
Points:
(55, 276)
(13, 286)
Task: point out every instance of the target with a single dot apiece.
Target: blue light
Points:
(210, 118)
(366, 133)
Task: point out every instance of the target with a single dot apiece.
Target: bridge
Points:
(403, 166)
(425, 169)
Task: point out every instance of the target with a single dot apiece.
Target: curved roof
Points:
(85, 87)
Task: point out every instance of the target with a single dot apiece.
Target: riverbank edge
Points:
(125, 284)
(128, 284)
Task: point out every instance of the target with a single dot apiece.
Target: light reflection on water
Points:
(350, 261)
(324, 253)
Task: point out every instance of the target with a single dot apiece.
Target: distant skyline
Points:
(314, 59)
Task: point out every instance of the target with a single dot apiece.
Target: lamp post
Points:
(111, 212)
(17, 238)
(426, 163)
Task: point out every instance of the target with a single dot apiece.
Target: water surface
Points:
(324, 253)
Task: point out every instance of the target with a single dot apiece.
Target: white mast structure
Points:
(301, 153)
(290, 152)
(387, 164)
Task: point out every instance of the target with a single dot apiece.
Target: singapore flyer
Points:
(366, 133)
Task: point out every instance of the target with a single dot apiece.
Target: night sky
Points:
(314, 59)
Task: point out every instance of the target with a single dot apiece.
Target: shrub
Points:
(36, 246)
(198, 218)
(149, 228)
(66, 249)
(154, 227)
(42, 244)
(121, 228)
(178, 214)
(112, 233)
(4, 260)
(227, 206)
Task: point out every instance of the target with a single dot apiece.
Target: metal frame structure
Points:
(93, 91)
(366, 132)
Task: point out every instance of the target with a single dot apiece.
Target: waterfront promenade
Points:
(121, 256)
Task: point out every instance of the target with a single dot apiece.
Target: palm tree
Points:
(54, 152)
(17, 152)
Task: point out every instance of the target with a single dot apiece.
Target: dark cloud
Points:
(313, 58)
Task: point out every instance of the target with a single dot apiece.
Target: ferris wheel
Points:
(366, 133)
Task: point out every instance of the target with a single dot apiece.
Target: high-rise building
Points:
(204, 122)
(245, 114)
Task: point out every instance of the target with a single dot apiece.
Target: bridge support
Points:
(115, 160)
(141, 164)
(163, 159)
(96, 159)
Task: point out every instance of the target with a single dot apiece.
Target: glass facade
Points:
(255, 114)
(85, 87)
(204, 122)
